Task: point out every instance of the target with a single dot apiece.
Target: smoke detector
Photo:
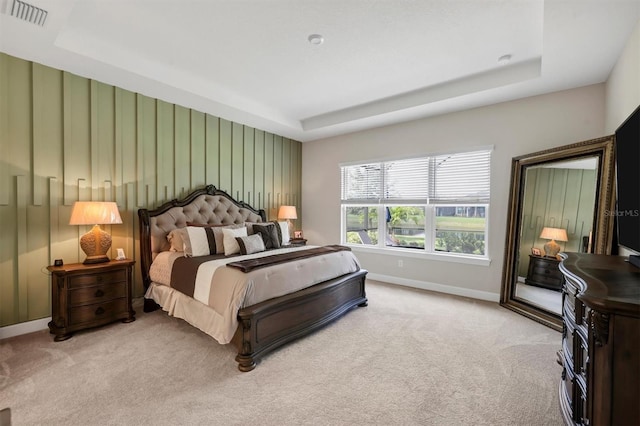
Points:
(27, 12)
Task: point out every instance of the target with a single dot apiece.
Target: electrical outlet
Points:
(400, 263)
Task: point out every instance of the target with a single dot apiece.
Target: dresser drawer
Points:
(582, 357)
(569, 386)
(97, 294)
(85, 280)
(107, 311)
(570, 300)
(568, 311)
(568, 346)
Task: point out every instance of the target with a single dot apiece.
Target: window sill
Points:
(442, 257)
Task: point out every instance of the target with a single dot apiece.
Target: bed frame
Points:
(268, 325)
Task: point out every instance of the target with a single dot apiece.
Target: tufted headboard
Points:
(206, 205)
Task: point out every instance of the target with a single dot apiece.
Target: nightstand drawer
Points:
(97, 294)
(97, 278)
(98, 312)
(545, 271)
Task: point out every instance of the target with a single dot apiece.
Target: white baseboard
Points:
(24, 328)
(440, 288)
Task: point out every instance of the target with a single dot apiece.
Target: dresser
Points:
(600, 356)
(85, 296)
(544, 272)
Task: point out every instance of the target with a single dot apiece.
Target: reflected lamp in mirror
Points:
(95, 243)
(288, 213)
(552, 248)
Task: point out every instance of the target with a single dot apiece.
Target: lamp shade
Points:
(95, 243)
(95, 213)
(287, 212)
(557, 234)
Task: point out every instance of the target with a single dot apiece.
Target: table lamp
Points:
(96, 242)
(551, 248)
(288, 213)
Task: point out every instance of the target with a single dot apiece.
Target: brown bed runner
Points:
(183, 273)
(251, 264)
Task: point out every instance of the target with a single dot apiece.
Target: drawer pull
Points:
(100, 311)
(99, 293)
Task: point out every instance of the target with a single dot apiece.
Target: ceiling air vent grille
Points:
(28, 13)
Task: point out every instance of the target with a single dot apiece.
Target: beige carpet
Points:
(410, 358)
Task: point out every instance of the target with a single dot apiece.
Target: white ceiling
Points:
(382, 62)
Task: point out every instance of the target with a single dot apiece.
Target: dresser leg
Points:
(62, 337)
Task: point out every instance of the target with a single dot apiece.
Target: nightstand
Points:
(85, 296)
(297, 242)
(545, 272)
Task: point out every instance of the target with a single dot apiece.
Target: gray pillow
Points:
(269, 235)
(250, 244)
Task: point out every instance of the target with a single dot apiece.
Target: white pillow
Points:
(284, 230)
(229, 242)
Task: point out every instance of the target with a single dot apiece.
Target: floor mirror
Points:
(560, 199)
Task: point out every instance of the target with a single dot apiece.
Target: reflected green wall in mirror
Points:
(558, 198)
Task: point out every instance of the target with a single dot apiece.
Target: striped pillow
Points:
(250, 244)
(198, 241)
(217, 233)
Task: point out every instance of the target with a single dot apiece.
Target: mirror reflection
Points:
(558, 203)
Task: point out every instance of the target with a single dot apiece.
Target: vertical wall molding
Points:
(70, 138)
(22, 253)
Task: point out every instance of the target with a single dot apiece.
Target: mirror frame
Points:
(603, 148)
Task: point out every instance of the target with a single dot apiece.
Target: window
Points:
(431, 204)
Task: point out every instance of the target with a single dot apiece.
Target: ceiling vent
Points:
(28, 13)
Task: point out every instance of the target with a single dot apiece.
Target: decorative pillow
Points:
(269, 234)
(198, 241)
(249, 226)
(284, 233)
(250, 244)
(175, 239)
(231, 246)
(217, 233)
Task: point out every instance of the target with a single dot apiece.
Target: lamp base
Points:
(95, 244)
(96, 259)
(551, 249)
(290, 225)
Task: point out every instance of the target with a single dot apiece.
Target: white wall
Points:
(623, 85)
(513, 128)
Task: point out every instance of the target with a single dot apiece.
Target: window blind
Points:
(460, 178)
(407, 180)
(362, 183)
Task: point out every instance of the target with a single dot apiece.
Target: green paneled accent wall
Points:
(557, 198)
(65, 138)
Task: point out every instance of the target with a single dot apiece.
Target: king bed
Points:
(221, 266)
